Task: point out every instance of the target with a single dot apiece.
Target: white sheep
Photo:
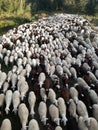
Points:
(95, 111)
(23, 115)
(9, 75)
(82, 83)
(24, 62)
(5, 86)
(73, 72)
(92, 77)
(23, 89)
(19, 69)
(8, 99)
(96, 73)
(21, 80)
(74, 94)
(6, 60)
(72, 109)
(86, 67)
(43, 94)
(66, 70)
(1, 47)
(11, 59)
(3, 77)
(82, 110)
(58, 128)
(82, 124)
(54, 114)
(32, 101)
(93, 96)
(62, 109)
(33, 125)
(92, 124)
(41, 79)
(59, 70)
(14, 80)
(23, 72)
(28, 70)
(34, 63)
(42, 110)
(52, 96)
(6, 125)
(95, 64)
(52, 70)
(19, 62)
(15, 100)
(2, 96)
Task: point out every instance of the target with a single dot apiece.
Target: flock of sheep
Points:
(52, 83)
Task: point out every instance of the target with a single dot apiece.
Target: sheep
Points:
(21, 80)
(23, 115)
(14, 80)
(86, 67)
(82, 124)
(11, 59)
(19, 69)
(92, 124)
(52, 70)
(41, 79)
(65, 93)
(82, 83)
(2, 96)
(6, 60)
(92, 77)
(66, 70)
(74, 94)
(5, 86)
(14, 69)
(3, 77)
(34, 63)
(52, 96)
(23, 72)
(72, 109)
(95, 111)
(9, 75)
(33, 125)
(95, 64)
(73, 72)
(42, 110)
(19, 62)
(82, 110)
(23, 89)
(58, 128)
(15, 100)
(1, 47)
(24, 62)
(93, 96)
(32, 101)
(6, 125)
(47, 84)
(59, 70)
(43, 94)
(28, 70)
(54, 114)
(96, 73)
(62, 109)
(8, 99)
